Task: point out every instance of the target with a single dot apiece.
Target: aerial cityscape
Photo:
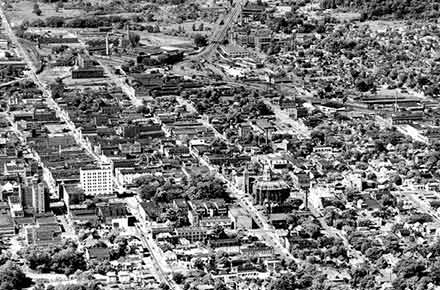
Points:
(220, 144)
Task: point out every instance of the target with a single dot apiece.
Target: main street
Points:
(44, 87)
(76, 132)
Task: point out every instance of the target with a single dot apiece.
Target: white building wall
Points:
(97, 181)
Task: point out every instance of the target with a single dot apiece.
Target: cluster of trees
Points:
(186, 12)
(299, 22)
(57, 88)
(36, 9)
(363, 277)
(416, 273)
(249, 104)
(200, 40)
(65, 259)
(12, 277)
(159, 189)
(339, 219)
(83, 22)
(89, 101)
(309, 228)
(372, 9)
(199, 187)
(85, 286)
(206, 187)
(304, 279)
(399, 62)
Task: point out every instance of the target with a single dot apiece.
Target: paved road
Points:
(221, 32)
(268, 233)
(44, 88)
(297, 127)
(160, 266)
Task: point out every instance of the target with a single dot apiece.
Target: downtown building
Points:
(97, 180)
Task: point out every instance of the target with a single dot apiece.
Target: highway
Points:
(221, 32)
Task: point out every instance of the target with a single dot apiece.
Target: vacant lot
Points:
(160, 39)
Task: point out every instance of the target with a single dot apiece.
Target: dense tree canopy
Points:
(398, 9)
(61, 259)
(12, 277)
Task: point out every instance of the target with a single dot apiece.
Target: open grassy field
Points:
(159, 39)
(22, 11)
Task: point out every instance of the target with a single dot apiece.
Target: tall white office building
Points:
(97, 180)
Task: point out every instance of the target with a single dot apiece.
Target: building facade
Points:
(97, 180)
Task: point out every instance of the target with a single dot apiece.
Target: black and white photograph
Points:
(219, 144)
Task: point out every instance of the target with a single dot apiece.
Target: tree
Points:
(434, 271)
(318, 135)
(150, 17)
(64, 259)
(200, 40)
(311, 229)
(206, 187)
(143, 109)
(12, 277)
(408, 267)
(57, 88)
(286, 281)
(36, 10)
(198, 264)
(59, 5)
(178, 277)
(220, 286)
(147, 192)
(134, 39)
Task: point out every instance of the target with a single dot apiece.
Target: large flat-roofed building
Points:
(236, 51)
(7, 226)
(192, 234)
(43, 235)
(88, 72)
(87, 68)
(97, 180)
